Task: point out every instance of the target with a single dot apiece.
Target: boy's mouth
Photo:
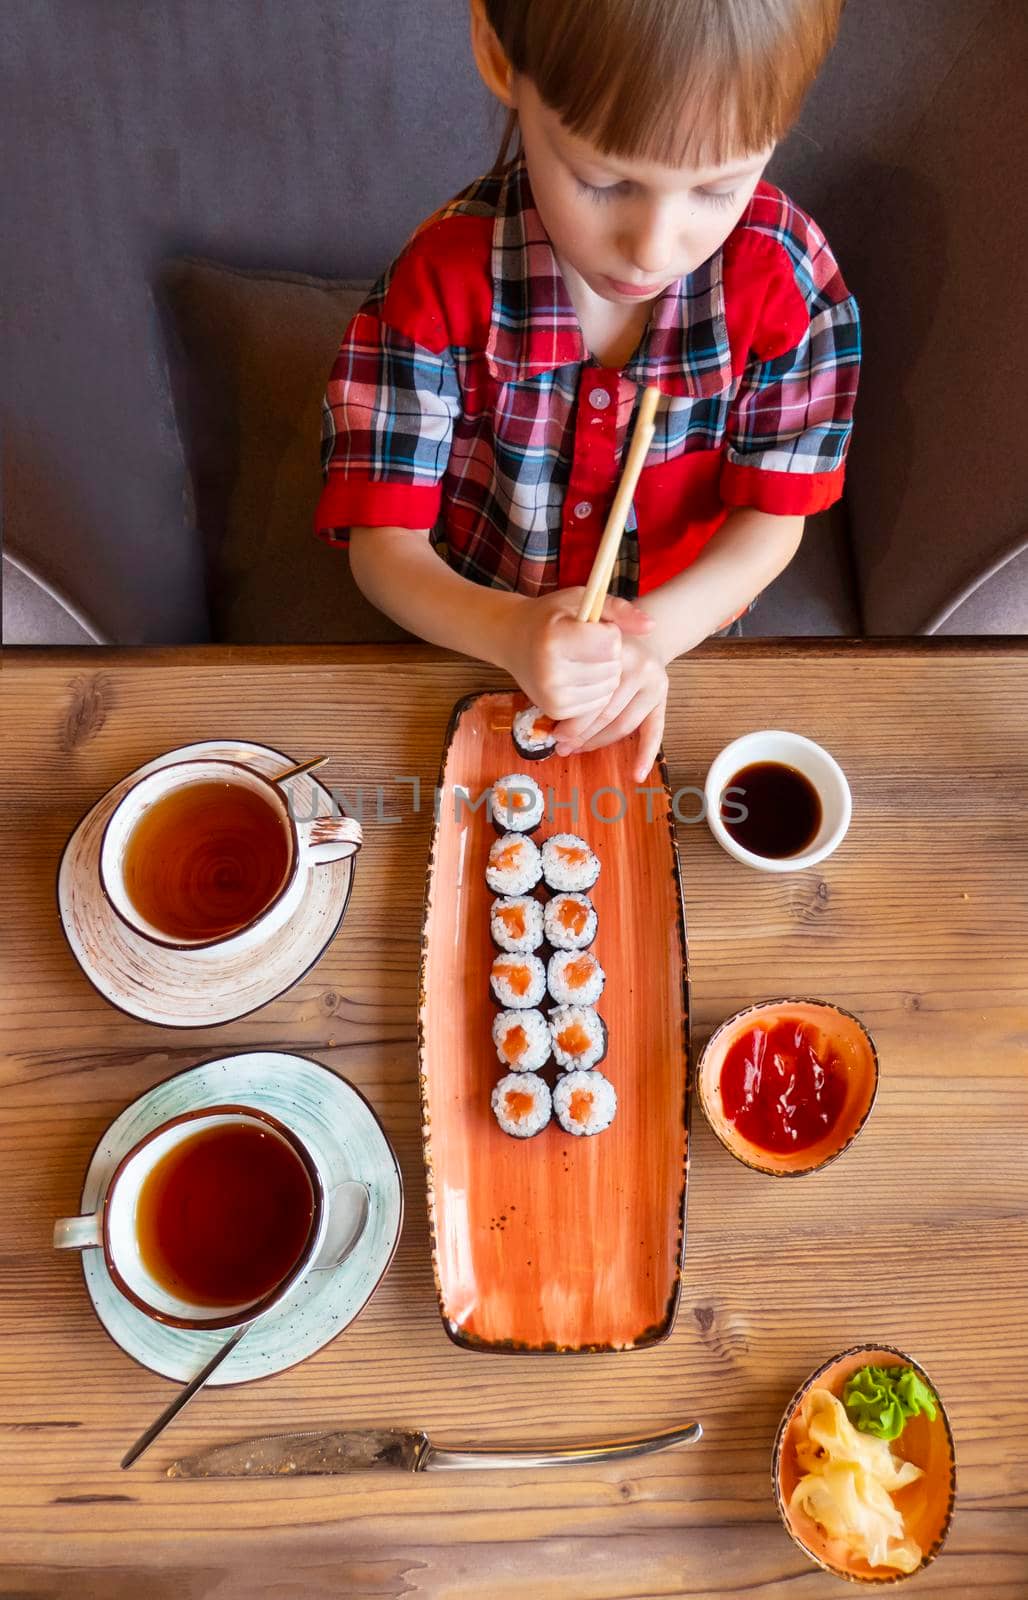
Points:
(632, 291)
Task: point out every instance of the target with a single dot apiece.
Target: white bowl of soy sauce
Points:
(777, 801)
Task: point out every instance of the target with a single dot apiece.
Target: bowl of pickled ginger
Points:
(864, 1468)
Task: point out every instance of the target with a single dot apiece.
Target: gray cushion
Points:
(815, 594)
(997, 603)
(252, 353)
(938, 473)
(35, 611)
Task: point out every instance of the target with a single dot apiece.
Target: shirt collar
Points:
(535, 328)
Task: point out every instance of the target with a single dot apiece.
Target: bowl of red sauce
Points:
(786, 1085)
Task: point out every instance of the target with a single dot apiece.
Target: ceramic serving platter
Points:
(201, 987)
(343, 1132)
(555, 1242)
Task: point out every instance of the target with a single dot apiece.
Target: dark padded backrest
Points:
(310, 135)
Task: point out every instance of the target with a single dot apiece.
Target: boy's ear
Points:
(496, 70)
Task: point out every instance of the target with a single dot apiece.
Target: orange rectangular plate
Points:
(556, 1242)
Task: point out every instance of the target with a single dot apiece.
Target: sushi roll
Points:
(569, 866)
(569, 921)
(574, 978)
(533, 734)
(579, 1037)
(585, 1102)
(517, 924)
(516, 803)
(515, 865)
(518, 981)
(522, 1104)
(522, 1040)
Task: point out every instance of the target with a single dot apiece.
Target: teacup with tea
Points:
(212, 1217)
(210, 852)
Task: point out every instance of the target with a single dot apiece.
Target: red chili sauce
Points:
(779, 1089)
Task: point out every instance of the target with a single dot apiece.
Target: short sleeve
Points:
(387, 426)
(790, 424)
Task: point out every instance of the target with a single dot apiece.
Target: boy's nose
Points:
(650, 246)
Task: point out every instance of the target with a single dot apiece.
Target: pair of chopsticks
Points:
(602, 572)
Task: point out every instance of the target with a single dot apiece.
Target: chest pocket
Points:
(683, 425)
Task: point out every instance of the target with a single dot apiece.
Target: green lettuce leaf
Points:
(879, 1400)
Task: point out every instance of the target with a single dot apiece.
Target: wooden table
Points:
(918, 1237)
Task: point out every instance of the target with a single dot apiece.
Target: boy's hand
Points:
(571, 669)
(638, 701)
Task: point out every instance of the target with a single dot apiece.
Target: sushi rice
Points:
(518, 982)
(569, 866)
(515, 865)
(585, 1102)
(522, 1040)
(517, 804)
(574, 977)
(516, 924)
(522, 1104)
(579, 1037)
(570, 921)
(533, 734)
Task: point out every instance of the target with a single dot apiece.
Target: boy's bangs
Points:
(678, 82)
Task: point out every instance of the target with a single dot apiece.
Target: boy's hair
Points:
(673, 81)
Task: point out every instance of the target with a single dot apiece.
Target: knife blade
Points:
(318, 1454)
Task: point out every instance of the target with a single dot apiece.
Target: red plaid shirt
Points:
(464, 400)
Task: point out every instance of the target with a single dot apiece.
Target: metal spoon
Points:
(362, 1199)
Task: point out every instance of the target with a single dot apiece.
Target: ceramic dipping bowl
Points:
(850, 1041)
(926, 1505)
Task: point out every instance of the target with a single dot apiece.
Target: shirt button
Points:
(584, 509)
(599, 399)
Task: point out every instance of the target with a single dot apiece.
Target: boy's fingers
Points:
(590, 641)
(651, 731)
(627, 616)
(574, 733)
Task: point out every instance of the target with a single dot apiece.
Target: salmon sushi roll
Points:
(533, 734)
(569, 922)
(585, 1102)
(579, 1037)
(515, 865)
(569, 866)
(574, 978)
(518, 982)
(522, 1104)
(522, 1040)
(516, 924)
(516, 803)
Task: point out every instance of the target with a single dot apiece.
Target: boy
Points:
(481, 399)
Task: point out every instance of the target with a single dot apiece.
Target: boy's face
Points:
(628, 228)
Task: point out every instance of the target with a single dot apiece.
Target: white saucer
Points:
(342, 1130)
(194, 988)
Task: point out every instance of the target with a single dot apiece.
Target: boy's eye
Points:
(718, 197)
(609, 191)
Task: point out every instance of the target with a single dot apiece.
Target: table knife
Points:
(304, 1455)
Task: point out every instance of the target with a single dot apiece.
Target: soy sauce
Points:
(225, 1215)
(771, 810)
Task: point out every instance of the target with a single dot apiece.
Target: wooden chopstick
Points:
(605, 561)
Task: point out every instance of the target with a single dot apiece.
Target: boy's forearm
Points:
(749, 550)
(398, 571)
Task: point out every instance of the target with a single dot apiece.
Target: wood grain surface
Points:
(917, 1237)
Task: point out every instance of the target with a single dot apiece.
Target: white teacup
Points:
(113, 1227)
(311, 843)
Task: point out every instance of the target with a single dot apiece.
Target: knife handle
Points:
(437, 1458)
